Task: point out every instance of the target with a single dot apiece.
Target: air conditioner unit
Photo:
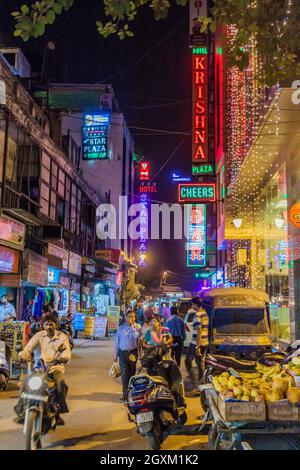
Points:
(17, 61)
(52, 232)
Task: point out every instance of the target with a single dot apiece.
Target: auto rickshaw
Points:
(239, 328)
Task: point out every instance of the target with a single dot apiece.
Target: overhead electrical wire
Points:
(133, 64)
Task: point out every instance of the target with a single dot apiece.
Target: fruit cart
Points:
(228, 435)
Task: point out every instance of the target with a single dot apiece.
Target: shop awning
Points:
(23, 216)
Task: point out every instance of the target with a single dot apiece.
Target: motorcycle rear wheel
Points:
(32, 441)
(154, 437)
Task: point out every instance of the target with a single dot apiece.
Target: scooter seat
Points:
(159, 379)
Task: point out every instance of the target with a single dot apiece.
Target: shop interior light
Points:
(237, 222)
(279, 221)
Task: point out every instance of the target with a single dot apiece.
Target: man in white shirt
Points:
(7, 310)
(50, 341)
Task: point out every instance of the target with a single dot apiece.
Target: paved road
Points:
(97, 418)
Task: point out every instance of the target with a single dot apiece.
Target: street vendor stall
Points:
(258, 403)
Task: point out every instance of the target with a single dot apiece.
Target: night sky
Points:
(146, 92)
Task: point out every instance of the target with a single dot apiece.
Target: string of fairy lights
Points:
(252, 213)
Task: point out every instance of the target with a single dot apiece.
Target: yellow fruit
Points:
(250, 375)
(273, 396)
(225, 374)
(293, 395)
(259, 398)
(291, 381)
(245, 398)
(264, 390)
(269, 372)
(223, 381)
(236, 391)
(296, 361)
(280, 385)
(254, 393)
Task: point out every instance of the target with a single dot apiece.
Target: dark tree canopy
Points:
(272, 24)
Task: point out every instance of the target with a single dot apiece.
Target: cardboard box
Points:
(242, 410)
(282, 410)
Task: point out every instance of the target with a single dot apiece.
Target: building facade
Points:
(259, 179)
(48, 211)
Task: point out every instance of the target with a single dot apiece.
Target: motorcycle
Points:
(65, 326)
(4, 365)
(155, 399)
(40, 402)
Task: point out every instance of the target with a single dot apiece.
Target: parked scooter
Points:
(4, 365)
(65, 326)
(155, 398)
(40, 402)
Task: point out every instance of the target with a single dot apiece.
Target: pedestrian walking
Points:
(197, 349)
(140, 318)
(177, 329)
(126, 349)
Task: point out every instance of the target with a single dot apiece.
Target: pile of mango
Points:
(267, 383)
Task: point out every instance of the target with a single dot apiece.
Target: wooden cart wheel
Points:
(212, 435)
(225, 441)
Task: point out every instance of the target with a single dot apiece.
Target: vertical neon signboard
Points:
(143, 228)
(200, 102)
(94, 136)
(144, 171)
(196, 236)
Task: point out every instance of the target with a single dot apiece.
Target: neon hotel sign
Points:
(200, 137)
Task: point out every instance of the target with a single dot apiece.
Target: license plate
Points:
(144, 417)
(29, 396)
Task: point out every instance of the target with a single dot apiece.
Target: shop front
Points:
(12, 237)
(75, 269)
(57, 291)
(34, 281)
(262, 239)
(10, 277)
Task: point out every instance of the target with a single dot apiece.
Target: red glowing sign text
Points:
(200, 140)
(144, 170)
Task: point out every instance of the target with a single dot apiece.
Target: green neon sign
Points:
(197, 192)
(203, 169)
(199, 50)
(203, 275)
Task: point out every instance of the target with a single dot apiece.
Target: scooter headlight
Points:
(35, 383)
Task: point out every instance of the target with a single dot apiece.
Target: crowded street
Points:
(97, 418)
(149, 229)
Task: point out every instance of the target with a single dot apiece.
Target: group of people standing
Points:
(143, 330)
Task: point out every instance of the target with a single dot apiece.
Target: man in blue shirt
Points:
(177, 329)
(126, 349)
(140, 314)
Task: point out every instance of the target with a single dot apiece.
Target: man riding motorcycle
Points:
(50, 341)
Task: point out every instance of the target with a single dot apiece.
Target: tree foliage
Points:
(274, 24)
(132, 291)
